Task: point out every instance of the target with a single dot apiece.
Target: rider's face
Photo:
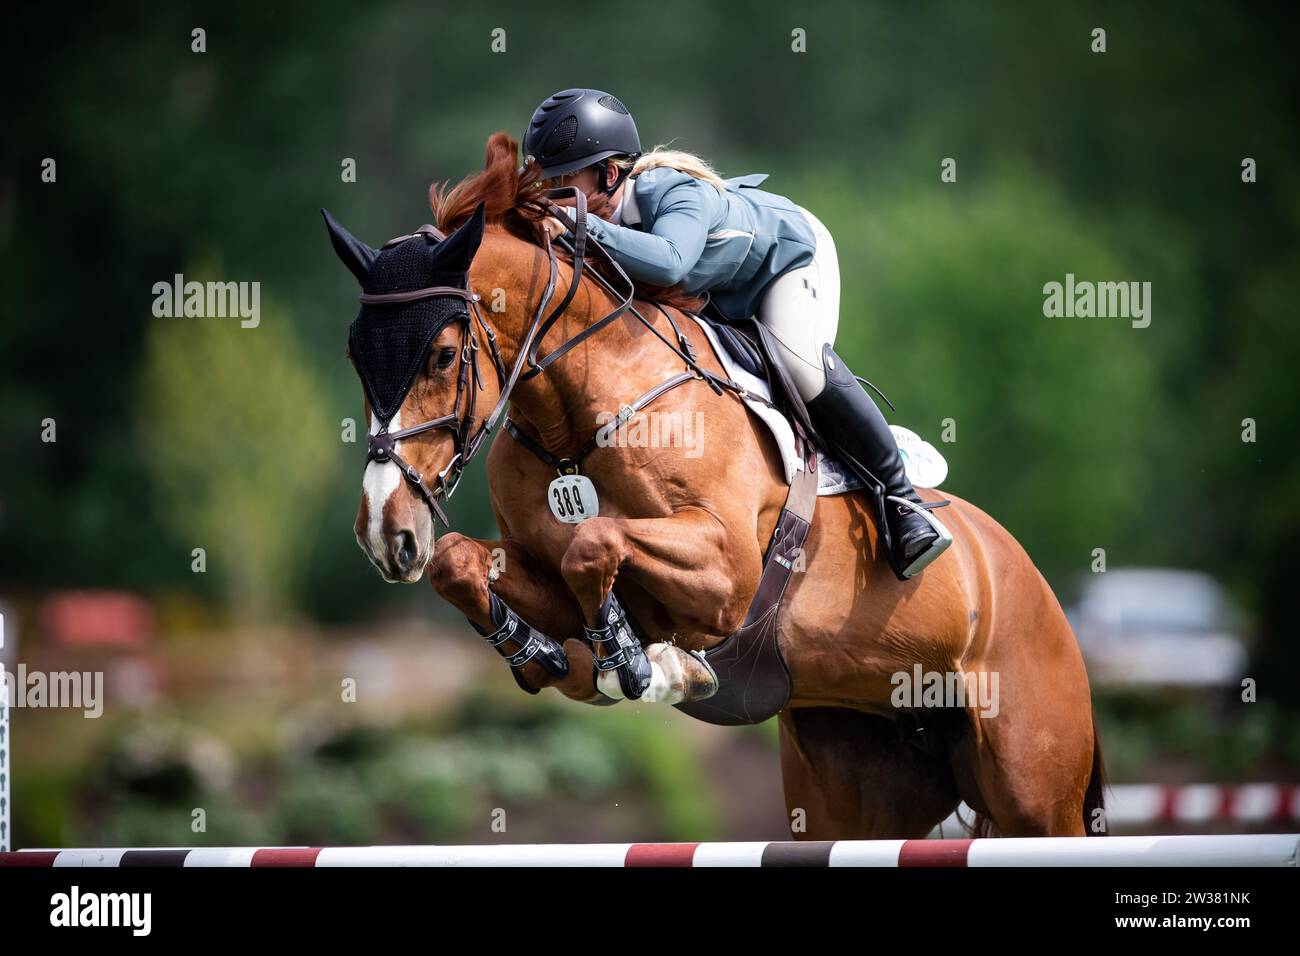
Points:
(587, 180)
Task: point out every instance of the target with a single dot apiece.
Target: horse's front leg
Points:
(515, 604)
(691, 564)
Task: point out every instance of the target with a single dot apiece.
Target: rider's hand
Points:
(554, 228)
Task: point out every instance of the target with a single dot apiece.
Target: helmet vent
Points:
(612, 103)
(563, 136)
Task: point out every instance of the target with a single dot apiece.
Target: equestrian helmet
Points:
(575, 128)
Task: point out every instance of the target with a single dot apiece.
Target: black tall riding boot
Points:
(848, 419)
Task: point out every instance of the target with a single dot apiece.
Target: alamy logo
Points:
(632, 429)
(76, 690)
(209, 300)
(1102, 300)
(917, 689)
(74, 908)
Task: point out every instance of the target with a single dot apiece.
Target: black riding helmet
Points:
(576, 128)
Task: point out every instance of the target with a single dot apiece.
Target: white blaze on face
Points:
(378, 483)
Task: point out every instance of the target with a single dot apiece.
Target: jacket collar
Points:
(628, 213)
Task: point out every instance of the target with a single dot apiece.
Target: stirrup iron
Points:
(940, 544)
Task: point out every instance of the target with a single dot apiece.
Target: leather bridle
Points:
(381, 446)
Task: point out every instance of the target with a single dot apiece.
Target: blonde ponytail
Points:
(679, 160)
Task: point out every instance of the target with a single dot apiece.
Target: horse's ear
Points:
(356, 255)
(456, 252)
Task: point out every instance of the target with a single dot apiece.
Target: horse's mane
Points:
(510, 195)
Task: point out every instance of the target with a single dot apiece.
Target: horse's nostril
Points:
(406, 552)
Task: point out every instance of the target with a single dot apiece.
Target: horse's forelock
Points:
(501, 187)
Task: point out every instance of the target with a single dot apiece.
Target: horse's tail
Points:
(1094, 798)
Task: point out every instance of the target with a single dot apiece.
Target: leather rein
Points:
(381, 446)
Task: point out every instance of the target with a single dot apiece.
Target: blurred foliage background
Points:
(1074, 433)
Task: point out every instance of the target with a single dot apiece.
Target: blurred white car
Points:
(1158, 626)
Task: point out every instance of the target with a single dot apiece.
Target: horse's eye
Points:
(443, 358)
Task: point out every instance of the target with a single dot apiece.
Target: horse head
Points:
(413, 345)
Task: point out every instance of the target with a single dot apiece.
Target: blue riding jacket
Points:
(673, 228)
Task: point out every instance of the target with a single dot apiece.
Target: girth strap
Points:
(754, 682)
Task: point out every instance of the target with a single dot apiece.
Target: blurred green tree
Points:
(238, 449)
(943, 308)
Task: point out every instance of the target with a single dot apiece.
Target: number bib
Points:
(573, 499)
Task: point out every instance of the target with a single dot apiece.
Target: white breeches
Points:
(801, 309)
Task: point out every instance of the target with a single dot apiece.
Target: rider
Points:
(675, 221)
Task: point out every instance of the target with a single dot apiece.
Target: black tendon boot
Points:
(849, 420)
(616, 648)
(518, 643)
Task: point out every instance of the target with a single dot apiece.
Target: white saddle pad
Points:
(926, 468)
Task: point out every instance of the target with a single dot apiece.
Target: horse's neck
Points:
(556, 403)
(562, 401)
(539, 403)
(607, 370)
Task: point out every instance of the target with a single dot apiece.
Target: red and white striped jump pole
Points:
(1234, 850)
(1148, 806)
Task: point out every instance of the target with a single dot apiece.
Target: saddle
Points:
(749, 344)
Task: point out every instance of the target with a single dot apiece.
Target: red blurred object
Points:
(114, 619)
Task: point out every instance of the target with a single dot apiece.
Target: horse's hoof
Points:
(675, 677)
(706, 680)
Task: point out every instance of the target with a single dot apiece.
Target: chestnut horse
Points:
(684, 534)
